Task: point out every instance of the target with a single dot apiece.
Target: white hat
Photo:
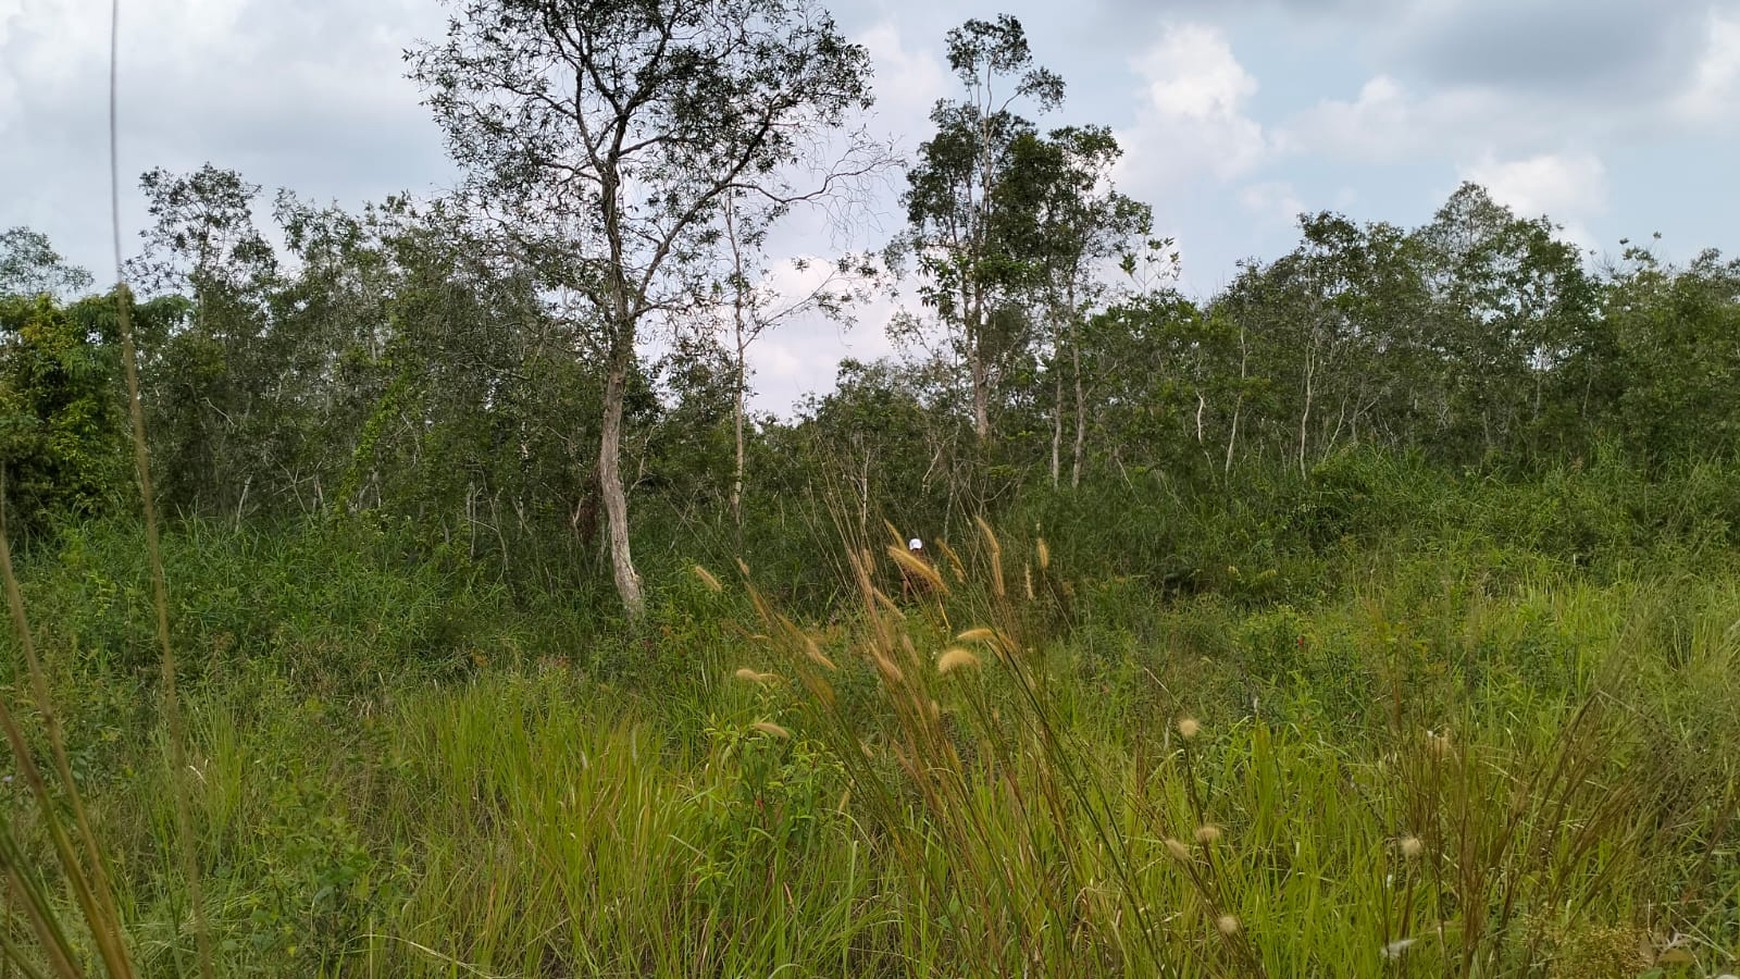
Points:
(914, 544)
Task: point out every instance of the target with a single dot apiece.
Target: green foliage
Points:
(403, 767)
(30, 267)
(62, 433)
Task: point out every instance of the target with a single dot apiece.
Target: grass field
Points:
(1455, 757)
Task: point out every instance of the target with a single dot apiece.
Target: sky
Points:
(1617, 118)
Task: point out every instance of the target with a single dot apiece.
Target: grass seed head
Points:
(917, 569)
(890, 672)
(1412, 847)
(753, 676)
(814, 652)
(1179, 851)
(1438, 745)
(1227, 924)
(1044, 554)
(707, 579)
(1395, 949)
(1188, 728)
(1208, 835)
(954, 658)
(768, 727)
(979, 634)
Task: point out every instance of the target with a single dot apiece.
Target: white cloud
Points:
(1192, 119)
(1574, 183)
(1387, 123)
(1569, 188)
(310, 96)
(908, 83)
(1715, 89)
(1272, 199)
(1192, 74)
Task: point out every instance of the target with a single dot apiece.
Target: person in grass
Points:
(912, 584)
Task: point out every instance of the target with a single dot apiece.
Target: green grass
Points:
(1467, 748)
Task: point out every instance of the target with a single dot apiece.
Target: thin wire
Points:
(114, 129)
(159, 588)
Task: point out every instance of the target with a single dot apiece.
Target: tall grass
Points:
(1431, 772)
(1446, 763)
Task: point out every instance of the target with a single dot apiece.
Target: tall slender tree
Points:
(605, 137)
(954, 202)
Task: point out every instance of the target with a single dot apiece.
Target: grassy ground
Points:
(1418, 748)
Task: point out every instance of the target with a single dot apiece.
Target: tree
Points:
(29, 266)
(1059, 205)
(214, 374)
(606, 137)
(756, 306)
(63, 441)
(1512, 305)
(972, 258)
(1674, 333)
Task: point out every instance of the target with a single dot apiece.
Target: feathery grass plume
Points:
(954, 658)
(814, 652)
(768, 727)
(1027, 580)
(1208, 834)
(956, 568)
(1412, 847)
(979, 634)
(753, 676)
(1179, 851)
(1043, 552)
(743, 567)
(994, 552)
(887, 603)
(918, 568)
(1438, 745)
(1227, 924)
(894, 534)
(1188, 728)
(707, 579)
(890, 672)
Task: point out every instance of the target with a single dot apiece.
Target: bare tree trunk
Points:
(864, 498)
(1238, 404)
(1080, 403)
(1305, 414)
(1056, 422)
(610, 479)
(981, 396)
(737, 324)
(737, 426)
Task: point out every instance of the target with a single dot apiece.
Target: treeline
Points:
(477, 379)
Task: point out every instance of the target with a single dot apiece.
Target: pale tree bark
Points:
(980, 371)
(1056, 422)
(1305, 413)
(740, 340)
(1080, 409)
(610, 487)
(1238, 404)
